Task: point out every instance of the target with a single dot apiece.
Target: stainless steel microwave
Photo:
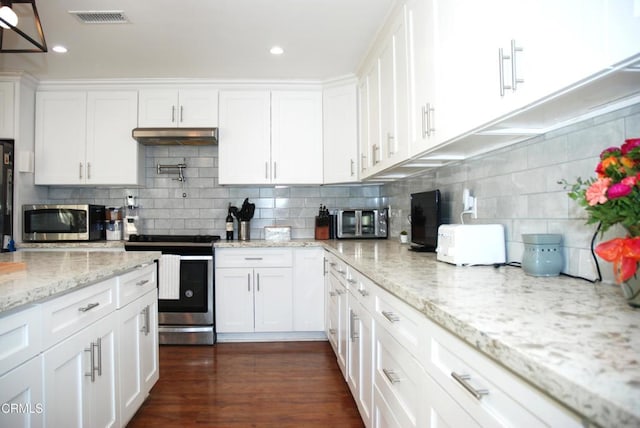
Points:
(362, 223)
(53, 223)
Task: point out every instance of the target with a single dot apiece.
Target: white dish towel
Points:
(169, 278)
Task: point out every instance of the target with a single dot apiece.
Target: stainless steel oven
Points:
(189, 319)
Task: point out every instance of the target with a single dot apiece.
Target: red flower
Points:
(624, 253)
(610, 151)
(618, 190)
(629, 145)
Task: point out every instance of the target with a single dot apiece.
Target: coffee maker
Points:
(130, 218)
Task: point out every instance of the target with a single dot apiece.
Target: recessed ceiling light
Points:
(276, 50)
(59, 49)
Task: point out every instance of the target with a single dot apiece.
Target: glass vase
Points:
(631, 291)
(631, 287)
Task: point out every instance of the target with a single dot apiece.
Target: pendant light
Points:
(9, 23)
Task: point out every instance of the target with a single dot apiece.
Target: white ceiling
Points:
(208, 39)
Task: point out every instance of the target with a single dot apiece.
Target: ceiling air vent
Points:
(100, 16)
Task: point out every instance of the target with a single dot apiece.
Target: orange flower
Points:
(626, 162)
(625, 255)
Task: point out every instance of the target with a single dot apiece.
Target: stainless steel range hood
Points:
(176, 136)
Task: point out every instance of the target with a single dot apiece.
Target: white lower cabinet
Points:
(360, 357)
(138, 352)
(80, 382)
(308, 289)
(84, 359)
(21, 395)
(405, 371)
(271, 293)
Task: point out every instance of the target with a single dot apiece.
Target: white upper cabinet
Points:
(296, 137)
(270, 137)
(421, 41)
(244, 137)
(178, 108)
(7, 107)
(340, 133)
(623, 29)
(385, 104)
(84, 138)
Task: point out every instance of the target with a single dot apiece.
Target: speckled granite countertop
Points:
(49, 273)
(579, 342)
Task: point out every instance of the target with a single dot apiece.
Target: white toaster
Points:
(471, 244)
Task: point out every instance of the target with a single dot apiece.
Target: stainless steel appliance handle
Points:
(196, 258)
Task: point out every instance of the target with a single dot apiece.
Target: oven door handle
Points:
(196, 258)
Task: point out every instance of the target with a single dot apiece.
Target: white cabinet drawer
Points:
(399, 379)
(403, 322)
(253, 257)
(20, 337)
(491, 394)
(72, 312)
(136, 284)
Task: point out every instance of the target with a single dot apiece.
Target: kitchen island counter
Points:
(50, 273)
(577, 341)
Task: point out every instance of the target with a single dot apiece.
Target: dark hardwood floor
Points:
(282, 384)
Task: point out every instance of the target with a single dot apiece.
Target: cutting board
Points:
(8, 267)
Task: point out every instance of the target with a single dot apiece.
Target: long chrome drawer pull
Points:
(141, 283)
(391, 316)
(351, 281)
(332, 293)
(391, 375)
(88, 307)
(253, 258)
(462, 380)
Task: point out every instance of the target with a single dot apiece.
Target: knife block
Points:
(322, 228)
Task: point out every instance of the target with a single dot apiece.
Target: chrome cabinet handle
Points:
(145, 326)
(429, 111)
(332, 331)
(391, 375)
(514, 73)
(351, 169)
(391, 316)
(80, 171)
(92, 354)
(99, 346)
(266, 170)
(173, 114)
(88, 170)
(390, 142)
(376, 150)
(424, 120)
(351, 281)
(253, 258)
(275, 171)
(88, 307)
(141, 283)
(501, 59)
(181, 113)
(363, 162)
(462, 380)
(353, 317)
(249, 282)
(332, 293)
(363, 292)
(258, 281)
